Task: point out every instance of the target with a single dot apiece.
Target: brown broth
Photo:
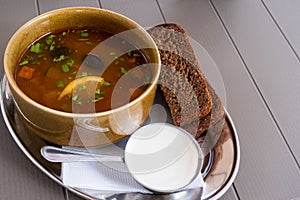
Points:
(56, 59)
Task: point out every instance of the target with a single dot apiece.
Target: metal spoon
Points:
(56, 154)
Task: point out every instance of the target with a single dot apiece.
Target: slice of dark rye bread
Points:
(181, 81)
(193, 103)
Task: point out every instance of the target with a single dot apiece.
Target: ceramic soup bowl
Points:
(81, 129)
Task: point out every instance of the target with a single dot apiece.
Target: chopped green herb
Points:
(52, 46)
(65, 68)
(60, 84)
(99, 95)
(70, 63)
(79, 101)
(84, 34)
(105, 83)
(98, 91)
(136, 54)
(64, 33)
(36, 48)
(74, 72)
(75, 97)
(88, 43)
(49, 39)
(25, 62)
(35, 62)
(116, 62)
(84, 74)
(97, 99)
(123, 70)
(81, 88)
(60, 58)
(112, 53)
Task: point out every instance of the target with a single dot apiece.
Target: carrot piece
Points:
(26, 72)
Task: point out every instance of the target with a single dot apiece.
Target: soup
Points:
(83, 70)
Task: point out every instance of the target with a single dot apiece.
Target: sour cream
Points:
(162, 157)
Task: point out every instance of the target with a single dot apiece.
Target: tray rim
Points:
(57, 179)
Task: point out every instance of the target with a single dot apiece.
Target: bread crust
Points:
(193, 103)
(181, 81)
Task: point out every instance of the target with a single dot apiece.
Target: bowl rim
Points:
(40, 17)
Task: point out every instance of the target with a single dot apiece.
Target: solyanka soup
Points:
(102, 64)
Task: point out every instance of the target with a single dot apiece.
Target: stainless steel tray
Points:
(219, 176)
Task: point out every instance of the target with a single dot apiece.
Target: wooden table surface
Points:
(256, 46)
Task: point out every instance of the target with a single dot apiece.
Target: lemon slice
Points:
(79, 82)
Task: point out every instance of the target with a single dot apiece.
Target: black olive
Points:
(93, 61)
(56, 52)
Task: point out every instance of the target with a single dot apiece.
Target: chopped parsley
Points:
(36, 48)
(60, 58)
(65, 68)
(60, 84)
(49, 39)
(24, 62)
(105, 83)
(123, 70)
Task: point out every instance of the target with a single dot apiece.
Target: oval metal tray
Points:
(219, 175)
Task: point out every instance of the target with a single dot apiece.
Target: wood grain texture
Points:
(11, 19)
(267, 169)
(144, 12)
(46, 5)
(20, 179)
(270, 60)
(287, 16)
(229, 195)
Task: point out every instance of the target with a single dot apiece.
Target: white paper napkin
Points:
(96, 178)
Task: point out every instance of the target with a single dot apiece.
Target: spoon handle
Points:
(56, 154)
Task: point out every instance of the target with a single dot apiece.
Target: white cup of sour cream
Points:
(163, 158)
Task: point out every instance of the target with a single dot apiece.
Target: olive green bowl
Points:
(74, 129)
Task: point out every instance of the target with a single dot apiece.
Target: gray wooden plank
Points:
(229, 195)
(20, 179)
(11, 19)
(287, 16)
(144, 12)
(45, 5)
(267, 169)
(72, 196)
(270, 60)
